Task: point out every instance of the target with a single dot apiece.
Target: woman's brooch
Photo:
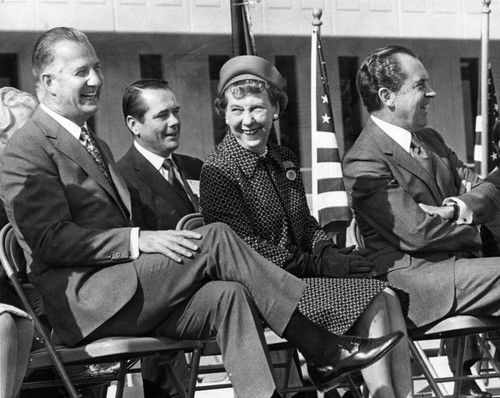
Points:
(290, 174)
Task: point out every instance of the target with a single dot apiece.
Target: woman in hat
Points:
(16, 327)
(255, 187)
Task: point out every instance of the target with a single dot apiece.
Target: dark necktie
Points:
(88, 142)
(419, 153)
(168, 165)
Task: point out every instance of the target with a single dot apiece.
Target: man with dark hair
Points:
(163, 186)
(417, 205)
(100, 276)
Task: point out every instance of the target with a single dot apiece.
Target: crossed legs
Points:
(390, 377)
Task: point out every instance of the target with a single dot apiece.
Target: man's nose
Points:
(95, 78)
(430, 92)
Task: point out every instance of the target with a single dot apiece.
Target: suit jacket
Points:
(412, 249)
(157, 205)
(72, 224)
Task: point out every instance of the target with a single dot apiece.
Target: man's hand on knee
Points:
(173, 244)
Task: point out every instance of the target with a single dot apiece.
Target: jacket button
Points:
(118, 254)
(108, 255)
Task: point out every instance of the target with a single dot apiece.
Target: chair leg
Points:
(288, 369)
(462, 342)
(193, 374)
(120, 385)
(426, 366)
(181, 390)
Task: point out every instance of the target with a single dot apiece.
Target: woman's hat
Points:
(246, 67)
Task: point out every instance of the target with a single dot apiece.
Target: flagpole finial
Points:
(317, 12)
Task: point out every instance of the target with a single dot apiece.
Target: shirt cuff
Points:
(134, 243)
(465, 215)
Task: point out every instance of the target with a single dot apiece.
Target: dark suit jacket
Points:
(413, 249)
(73, 226)
(157, 205)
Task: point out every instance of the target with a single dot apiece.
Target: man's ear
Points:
(386, 96)
(48, 80)
(133, 125)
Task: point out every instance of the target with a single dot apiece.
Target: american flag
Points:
(329, 198)
(493, 133)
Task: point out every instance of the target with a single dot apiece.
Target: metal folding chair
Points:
(459, 327)
(274, 343)
(124, 350)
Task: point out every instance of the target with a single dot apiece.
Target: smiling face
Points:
(74, 81)
(160, 128)
(411, 102)
(250, 119)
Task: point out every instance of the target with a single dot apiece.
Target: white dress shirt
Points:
(403, 138)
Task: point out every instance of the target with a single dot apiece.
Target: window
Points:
(215, 63)
(8, 70)
(288, 134)
(351, 112)
(469, 70)
(150, 66)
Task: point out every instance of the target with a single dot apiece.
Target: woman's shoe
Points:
(364, 352)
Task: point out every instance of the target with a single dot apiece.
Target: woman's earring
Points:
(275, 117)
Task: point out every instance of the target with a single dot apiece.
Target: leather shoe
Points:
(470, 389)
(363, 352)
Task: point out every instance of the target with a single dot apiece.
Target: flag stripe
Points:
(338, 199)
(329, 197)
(330, 184)
(325, 139)
(328, 155)
(328, 170)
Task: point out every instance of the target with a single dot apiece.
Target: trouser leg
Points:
(225, 310)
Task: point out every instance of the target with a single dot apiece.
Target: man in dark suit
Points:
(160, 196)
(100, 276)
(417, 205)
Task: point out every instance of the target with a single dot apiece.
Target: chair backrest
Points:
(16, 263)
(190, 221)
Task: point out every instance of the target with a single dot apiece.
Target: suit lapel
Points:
(404, 159)
(154, 180)
(68, 145)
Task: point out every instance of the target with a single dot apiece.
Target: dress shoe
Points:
(363, 352)
(470, 389)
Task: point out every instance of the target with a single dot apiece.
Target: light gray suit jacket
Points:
(412, 249)
(72, 224)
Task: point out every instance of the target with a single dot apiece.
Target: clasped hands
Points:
(331, 261)
(173, 244)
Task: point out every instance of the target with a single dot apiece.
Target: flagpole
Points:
(317, 12)
(485, 27)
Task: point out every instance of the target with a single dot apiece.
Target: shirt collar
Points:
(398, 134)
(153, 158)
(248, 161)
(67, 124)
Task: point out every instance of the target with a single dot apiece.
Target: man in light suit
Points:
(158, 202)
(100, 276)
(417, 205)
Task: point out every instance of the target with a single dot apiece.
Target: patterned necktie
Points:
(419, 153)
(88, 142)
